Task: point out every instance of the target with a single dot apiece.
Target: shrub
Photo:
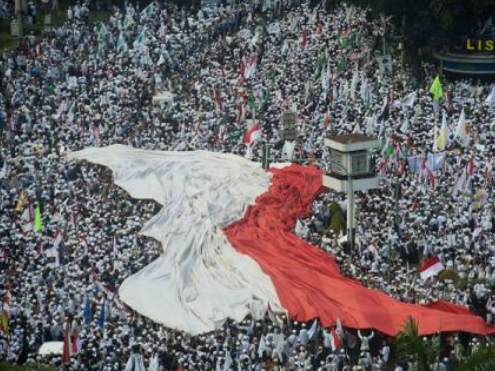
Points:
(449, 274)
(6, 366)
(338, 223)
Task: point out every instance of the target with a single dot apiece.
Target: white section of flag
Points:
(200, 280)
(461, 131)
(407, 101)
(57, 238)
(490, 100)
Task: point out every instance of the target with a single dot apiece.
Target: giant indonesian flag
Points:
(229, 249)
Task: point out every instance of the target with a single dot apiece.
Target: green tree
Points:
(449, 274)
(7, 366)
(461, 16)
(338, 222)
(483, 359)
(431, 22)
(410, 347)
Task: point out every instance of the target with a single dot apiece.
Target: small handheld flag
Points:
(436, 89)
(101, 320)
(38, 223)
(252, 135)
(430, 267)
(87, 312)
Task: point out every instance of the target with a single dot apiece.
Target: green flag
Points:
(436, 89)
(235, 135)
(4, 322)
(344, 42)
(141, 39)
(323, 59)
(266, 97)
(102, 33)
(101, 50)
(389, 152)
(252, 101)
(128, 21)
(380, 145)
(342, 65)
(148, 11)
(38, 223)
(73, 113)
(104, 191)
(121, 44)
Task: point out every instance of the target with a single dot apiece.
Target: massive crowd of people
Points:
(227, 66)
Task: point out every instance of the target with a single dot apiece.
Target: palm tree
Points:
(410, 347)
(483, 359)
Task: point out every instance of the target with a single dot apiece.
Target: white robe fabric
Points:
(200, 280)
(135, 363)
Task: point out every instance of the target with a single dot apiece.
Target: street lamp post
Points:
(354, 171)
(265, 156)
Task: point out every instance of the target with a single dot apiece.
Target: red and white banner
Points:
(430, 268)
(229, 250)
(57, 238)
(335, 340)
(252, 135)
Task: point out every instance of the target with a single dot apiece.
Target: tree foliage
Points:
(338, 221)
(410, 347)
(423, 352)
(447, 21)
(449, 274)
(483, 359)
(7, 366)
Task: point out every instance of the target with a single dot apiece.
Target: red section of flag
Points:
(5, 254)
(75, 342)
(308, 281)
(401, 169)
(67, 350)
(242, 68)
(431, 178)
(327, 120)
(303, 39)
(470, 168)
(39, 247)
(445, 306)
